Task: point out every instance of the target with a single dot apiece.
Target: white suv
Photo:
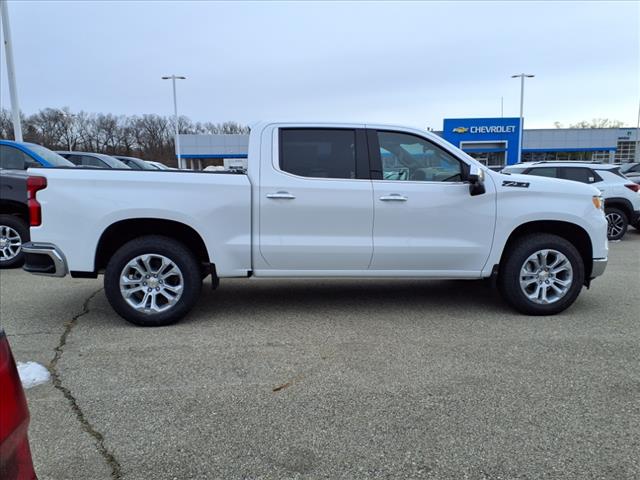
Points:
(621, 195)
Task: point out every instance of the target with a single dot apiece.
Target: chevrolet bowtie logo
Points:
(460, 130)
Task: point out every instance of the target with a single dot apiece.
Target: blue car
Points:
(14, 209)
(23, 155)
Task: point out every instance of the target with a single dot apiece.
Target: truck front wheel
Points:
(152, 281)
(541, 274)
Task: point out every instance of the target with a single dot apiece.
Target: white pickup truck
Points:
(317, 200)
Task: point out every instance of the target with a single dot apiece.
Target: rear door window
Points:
(93, 162)
(85, 160)
(75, 159)
(318, 153)
(544, 172)
(578, 174)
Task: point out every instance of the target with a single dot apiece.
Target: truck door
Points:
(425, 218)
(316, 205)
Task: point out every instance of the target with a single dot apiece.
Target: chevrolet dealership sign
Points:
(478, 135)
(486, 129)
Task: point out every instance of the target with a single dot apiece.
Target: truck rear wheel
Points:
(542, 274)
(14, 232)
(152, 281)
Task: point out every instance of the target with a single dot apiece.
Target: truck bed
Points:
(82, 203)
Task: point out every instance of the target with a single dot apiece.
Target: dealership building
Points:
(495, 142)
(492, 141)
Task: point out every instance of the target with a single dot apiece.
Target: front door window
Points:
(407, 157)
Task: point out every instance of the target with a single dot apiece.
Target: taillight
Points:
(15, 454)
(34, 184)
(633, 186)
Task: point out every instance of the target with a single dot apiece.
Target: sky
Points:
(407, 63)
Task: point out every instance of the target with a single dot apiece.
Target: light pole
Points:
(522, 77)
(11, 71)
(173, 79)
(636, 157)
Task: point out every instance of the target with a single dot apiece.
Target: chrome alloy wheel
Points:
(10, 243)
(615, 224)
(546, 276)
(151, 283)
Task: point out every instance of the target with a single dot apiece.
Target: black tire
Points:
(174, 251)
(19, 226)
(513, 262)
(621, 223)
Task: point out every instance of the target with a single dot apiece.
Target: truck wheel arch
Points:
(10, 207)
(573, 233)
(119, 233)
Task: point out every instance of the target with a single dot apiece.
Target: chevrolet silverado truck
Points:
(318, 200)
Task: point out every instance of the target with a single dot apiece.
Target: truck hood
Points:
(507, 182)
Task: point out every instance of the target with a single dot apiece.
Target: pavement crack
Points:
(288, 384)
(116, 470)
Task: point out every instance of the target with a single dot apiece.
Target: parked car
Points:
(305, 208)
(15, 453)
(631, 171)
(621, 197)
(159, 165)
(632, 168)
(23, 155)
(136, 163)
(15, 157)
(93, 160)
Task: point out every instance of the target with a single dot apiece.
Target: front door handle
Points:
(281, 195)
(394, 197)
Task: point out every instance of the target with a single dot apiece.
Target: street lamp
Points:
(11, 71)
(173, 79)
(522, 77)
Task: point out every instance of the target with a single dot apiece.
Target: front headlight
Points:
(598, 202)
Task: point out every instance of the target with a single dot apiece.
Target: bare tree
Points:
(6, 124)
(593, 123)
(147, 136)
(47, 126)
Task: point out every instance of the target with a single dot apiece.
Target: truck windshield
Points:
(51, 157)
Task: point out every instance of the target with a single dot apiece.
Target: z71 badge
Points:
(510, 183)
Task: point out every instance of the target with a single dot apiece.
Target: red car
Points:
(15, 454)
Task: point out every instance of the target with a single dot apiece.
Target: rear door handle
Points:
(394, 197)
(281, 195)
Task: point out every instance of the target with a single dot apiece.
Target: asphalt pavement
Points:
(353, 379)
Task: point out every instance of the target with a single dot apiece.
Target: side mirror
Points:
(476, 180)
